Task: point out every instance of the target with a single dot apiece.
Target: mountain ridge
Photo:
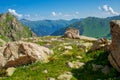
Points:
(91, 26)
(46, 27)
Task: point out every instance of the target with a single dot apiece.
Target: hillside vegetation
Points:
(66, 51)
(12, 29)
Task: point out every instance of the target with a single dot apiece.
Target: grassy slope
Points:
(8, 31)
(57, 64)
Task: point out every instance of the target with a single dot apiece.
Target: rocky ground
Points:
(72, 59)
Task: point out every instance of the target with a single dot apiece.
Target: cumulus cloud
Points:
(54, 13)
(108, 9)
(13, 12)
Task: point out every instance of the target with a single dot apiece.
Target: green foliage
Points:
(97, 57)
(12, 29)
(4, 38)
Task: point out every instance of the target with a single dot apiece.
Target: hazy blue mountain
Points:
(47, 27)
(91, 26)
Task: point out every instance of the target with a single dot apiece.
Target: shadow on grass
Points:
(86, 73)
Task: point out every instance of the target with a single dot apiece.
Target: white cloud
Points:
(113, 12)
(54, 13)
(105, 7)
(108, 10)
(13, 12)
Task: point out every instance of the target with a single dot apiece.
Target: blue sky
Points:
(60, 9)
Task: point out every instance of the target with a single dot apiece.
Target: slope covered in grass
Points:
(58, 62)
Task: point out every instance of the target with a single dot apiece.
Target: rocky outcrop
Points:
(12, 29)
(114, 56)
(21, 53)
(72, 33)
(100, 44)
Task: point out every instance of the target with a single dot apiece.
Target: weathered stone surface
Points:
(102, 43)
(72, 33)
(114, 56)
(50, 78)
(65, 76)
(21, 53)
(75, 64)
(45, 71)
(68, 48)
(10, 71)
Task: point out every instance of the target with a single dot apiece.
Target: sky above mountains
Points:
(60, 9)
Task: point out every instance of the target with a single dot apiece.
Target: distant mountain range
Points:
(91, 26)
(47, 27)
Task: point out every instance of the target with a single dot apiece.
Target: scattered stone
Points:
(10, 71)
(75, 64)
(67, 52)
(114, 56)
(96, 67)
(65, 76)
(85, 46)
(79, 57)
(21, 53)
(72, 33)
(45, 71)
(70, 64)
(54, 39)
(50, 78)
(68, 48)
(106, 70)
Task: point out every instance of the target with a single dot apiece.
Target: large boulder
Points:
(114, 56)
(72, 33)
(21, 53)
